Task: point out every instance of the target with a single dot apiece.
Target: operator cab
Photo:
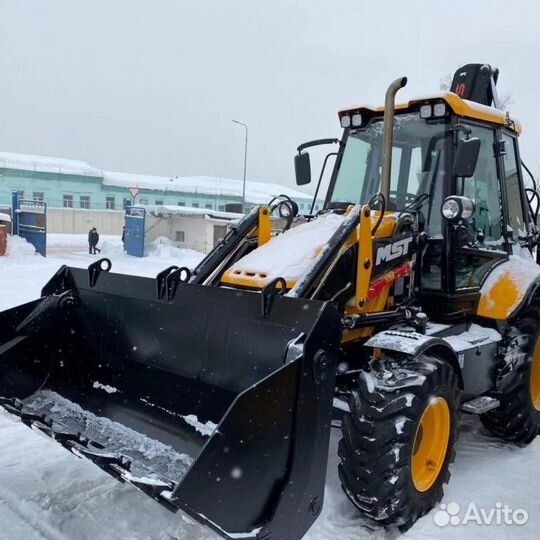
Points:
(443, 146)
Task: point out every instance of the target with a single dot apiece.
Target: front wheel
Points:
(398, 439)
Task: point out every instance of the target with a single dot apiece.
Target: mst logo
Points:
(394, 250)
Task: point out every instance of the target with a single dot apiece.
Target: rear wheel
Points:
(398, 440)
(517, 419)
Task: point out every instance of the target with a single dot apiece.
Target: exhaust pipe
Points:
(388, 133)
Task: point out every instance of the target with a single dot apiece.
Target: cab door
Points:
(517, 213)
(480, 243)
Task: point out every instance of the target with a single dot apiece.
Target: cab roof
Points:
(459, 106)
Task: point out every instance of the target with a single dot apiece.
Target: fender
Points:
(508, 288)
(415, 344)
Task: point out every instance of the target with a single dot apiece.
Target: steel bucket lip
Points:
(166, 495)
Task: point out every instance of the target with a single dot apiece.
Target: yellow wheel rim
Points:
(430, 444)
(535, 377)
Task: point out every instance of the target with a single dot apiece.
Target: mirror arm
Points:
(320, 180)
(460, 128)
(317, 142)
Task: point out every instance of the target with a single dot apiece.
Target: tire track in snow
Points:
(34, 516)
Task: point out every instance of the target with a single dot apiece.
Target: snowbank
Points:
(160, 249)
(163, 248)
(18, 247)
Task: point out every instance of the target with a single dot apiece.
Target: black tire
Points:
(516, 419)
(379, 436)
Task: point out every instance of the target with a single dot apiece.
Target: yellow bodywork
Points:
(371, 296)
(501, 300)
(505, 288)
(264, 231)
(257, 279)
(461, 107)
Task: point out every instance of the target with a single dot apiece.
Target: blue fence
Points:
(29, 221)
(135, 221)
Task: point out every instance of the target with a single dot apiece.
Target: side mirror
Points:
(302, 168)
(466, 157)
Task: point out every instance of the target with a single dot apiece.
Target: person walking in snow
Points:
(93, 239)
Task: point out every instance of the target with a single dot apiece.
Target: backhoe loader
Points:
(411, 298)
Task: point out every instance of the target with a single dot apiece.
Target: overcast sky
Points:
(152, 86)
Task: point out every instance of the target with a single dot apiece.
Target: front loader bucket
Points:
(211, 400)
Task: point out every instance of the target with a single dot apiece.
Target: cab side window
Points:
(486, 226)
(516, 219)
(482, 243)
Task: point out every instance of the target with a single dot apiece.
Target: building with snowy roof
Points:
(66, 183)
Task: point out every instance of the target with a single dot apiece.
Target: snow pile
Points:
(292, 253)
(112, 248)
(160, 249)
(5, 217)
(116, 438)
(18, 247)
(163, 248)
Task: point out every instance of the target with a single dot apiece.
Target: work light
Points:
(345, 121)
(457, 208)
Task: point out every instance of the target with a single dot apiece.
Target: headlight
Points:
(450, 209)
(457, 208)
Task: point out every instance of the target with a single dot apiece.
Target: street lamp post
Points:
(245, 165)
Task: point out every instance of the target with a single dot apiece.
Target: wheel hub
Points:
(431, 444)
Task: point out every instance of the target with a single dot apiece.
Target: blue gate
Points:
(134, 232)
(29, 221)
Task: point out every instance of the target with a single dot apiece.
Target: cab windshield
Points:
(417, 166)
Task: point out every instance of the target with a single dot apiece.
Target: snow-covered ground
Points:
(48, 493)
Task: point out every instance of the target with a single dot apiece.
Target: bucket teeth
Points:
(16, 408)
